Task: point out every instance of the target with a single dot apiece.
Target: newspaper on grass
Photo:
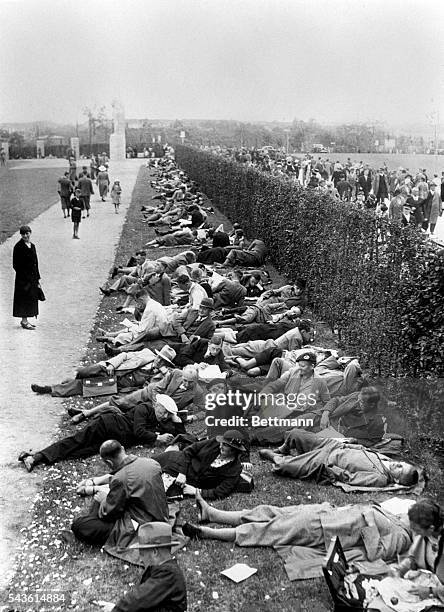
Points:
(210, 372)
(239, 572)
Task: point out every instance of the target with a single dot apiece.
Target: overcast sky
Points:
(333, 60)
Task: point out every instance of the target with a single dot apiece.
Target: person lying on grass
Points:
(155, 423)
(175, 331)
(179, 385)
(307, 456)
(130, 370)
(214, 466)
(381, 534)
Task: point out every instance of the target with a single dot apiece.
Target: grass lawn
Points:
(25, 194)
(85, 574)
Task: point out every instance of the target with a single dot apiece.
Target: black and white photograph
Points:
(222, 306)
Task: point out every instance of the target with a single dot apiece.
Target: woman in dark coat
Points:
(27, 276)
(212, 465)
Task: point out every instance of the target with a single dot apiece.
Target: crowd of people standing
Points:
(411, 198)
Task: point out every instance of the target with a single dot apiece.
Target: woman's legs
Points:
(210, 514)
(226, 534)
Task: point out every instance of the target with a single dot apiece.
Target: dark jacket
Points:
(161, 589)
(27, 276)
(365, 183)
(136, 493)
(229, 293)
(204, 328)
(195, 353)
(65, 186)
(263, 331)
(345, 411)
(380, 186)
(195, 462)
(144, 426)
(85, 185)
(76, 209)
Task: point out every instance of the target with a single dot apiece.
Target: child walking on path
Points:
(115, 195)
(77, 206)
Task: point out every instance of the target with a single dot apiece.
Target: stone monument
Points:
(4, 144)
(117, 141)
(75, 146)
(40, 146)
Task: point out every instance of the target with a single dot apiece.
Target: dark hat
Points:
(154, 535)
(233, 438)
(307, 356)
(207, 303)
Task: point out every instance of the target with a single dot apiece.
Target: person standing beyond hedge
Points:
(27, 279)
(116, 192)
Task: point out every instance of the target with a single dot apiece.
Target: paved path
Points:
(71, 272)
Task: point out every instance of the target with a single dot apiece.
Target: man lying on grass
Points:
(149, 423)
(305, 455)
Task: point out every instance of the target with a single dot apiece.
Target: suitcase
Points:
(334, 570)
(99, 385)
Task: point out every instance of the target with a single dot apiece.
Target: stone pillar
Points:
(40, 144)
(4, 144)
(75, 146)
(117, 141)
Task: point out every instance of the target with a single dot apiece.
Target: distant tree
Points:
(16, 139)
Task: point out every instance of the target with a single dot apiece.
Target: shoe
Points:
(191, 531)
(114, 272)
(83, 217)
(101, 339)
(105, 291)
(67, 536)
(29, 463)
(42, 389)
(266, 453)
(77, 237)
(23, 456)
(27, 325)
(119, 308)
(78, 418)
(74, 411)
(110, 350)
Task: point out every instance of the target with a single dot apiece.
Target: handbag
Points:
(40, 295)
(99, 385)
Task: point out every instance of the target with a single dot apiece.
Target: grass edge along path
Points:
(24, 195)
(82, 574)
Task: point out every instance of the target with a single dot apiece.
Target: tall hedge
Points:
(385, 299)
